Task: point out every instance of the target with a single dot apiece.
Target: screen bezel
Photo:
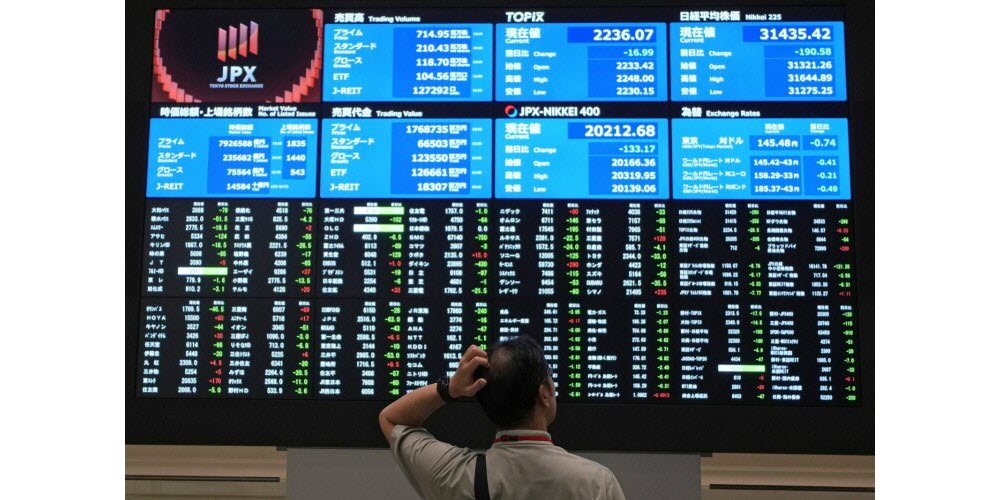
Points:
(579, 426)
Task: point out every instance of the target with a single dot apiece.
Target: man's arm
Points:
(614, 491)
(414, 408)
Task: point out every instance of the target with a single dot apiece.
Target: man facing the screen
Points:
(514, 385)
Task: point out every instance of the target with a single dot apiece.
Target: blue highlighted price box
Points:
(231, 158)
(581, 62)
(750, 61)
(755, 158)
(406, 158)
(408, 62)
(582, 159)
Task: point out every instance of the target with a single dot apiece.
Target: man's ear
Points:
(546, 395)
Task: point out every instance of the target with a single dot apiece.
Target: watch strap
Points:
(442, 389)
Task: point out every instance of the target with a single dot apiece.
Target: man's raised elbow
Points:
(385, 424)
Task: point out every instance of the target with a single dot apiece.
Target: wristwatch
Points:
(443, 389)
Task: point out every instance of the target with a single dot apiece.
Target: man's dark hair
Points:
(517, 368)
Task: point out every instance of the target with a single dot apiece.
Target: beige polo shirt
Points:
(516, 469)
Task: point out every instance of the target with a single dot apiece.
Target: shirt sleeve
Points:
(614, 491)
(434, 468)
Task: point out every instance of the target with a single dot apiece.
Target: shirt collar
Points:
(541, 436)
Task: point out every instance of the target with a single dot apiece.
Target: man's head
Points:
(519, 390)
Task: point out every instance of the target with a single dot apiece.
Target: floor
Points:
(230, 472)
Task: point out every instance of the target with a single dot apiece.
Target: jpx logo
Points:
(237, 42)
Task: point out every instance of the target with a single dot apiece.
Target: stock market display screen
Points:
(339, 202)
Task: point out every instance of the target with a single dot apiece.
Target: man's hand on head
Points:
(415, 406)
(463, 381)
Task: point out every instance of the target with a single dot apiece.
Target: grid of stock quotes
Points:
(661, 198)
